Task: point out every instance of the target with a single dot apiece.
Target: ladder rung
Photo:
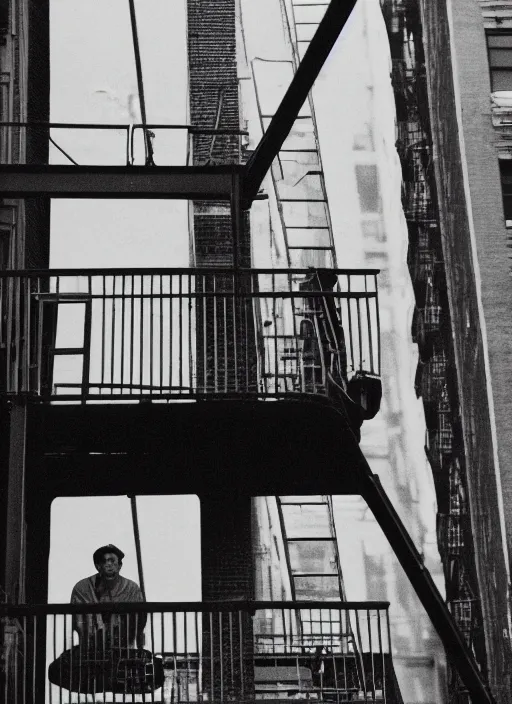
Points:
(303, 503)
(314, 574)
(69, 350)
(280, 337)
(299, 117)
(325, 539)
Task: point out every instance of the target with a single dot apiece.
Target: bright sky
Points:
(169, 534)
(93, 80)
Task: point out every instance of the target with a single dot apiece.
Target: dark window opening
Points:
(4, 16)
(506, 187)
(499, 46)
(5, 248)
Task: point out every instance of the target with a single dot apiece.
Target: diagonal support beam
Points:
(316, 54)
(434, 604)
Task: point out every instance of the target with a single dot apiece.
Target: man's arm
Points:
(78, 619)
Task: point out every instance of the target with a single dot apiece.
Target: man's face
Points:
(109, 566)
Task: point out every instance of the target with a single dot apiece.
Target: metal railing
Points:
(118, 144)
(197, 652)
(188, 333)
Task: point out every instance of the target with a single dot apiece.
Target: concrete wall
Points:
(461, 209)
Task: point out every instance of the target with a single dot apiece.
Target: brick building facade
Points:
(460, 272)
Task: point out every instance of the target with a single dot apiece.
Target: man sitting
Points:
(108, 630)
(106, 660)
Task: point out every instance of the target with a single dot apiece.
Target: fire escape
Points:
(257, 355)
(431, 329)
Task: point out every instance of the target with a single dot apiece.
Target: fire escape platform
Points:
(247, 447)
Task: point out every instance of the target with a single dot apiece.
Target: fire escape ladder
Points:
(300, 196)
(298, 186)
(312, 557)
(311, 547)
(296, 174)
(304, 18)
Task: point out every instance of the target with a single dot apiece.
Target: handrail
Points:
(129, 130)
(215, 651)
(139, 271)
(192, 606)
(121, 126)
(176, 333)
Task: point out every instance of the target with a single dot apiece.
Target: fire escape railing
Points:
(120, 143)
(194, 652)
(185, 333)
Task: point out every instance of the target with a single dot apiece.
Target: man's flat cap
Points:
(104, 549)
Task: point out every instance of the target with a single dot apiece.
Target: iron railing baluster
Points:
(243, 336)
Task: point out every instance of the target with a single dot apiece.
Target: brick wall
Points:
(227, 574)
(451, 375)
(213, 103)
(462, 291)
(226, 546)
(227, 571)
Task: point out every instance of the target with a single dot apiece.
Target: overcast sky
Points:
(93, 80)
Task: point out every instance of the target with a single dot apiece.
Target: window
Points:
(499, 45)
(5, 246)
(363, 141)
(4, 16)
(374, 229)
(368, 187)
(506, 187)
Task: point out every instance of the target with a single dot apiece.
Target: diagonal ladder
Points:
(297, 175)
(311, 547)
(303, 18)
(313, 561)
(298, 185)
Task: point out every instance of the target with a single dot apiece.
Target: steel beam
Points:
(178, 182)
(16, 499)
(316, 54)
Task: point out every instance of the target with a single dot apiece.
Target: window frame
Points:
(505, 165)
(492, 69)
